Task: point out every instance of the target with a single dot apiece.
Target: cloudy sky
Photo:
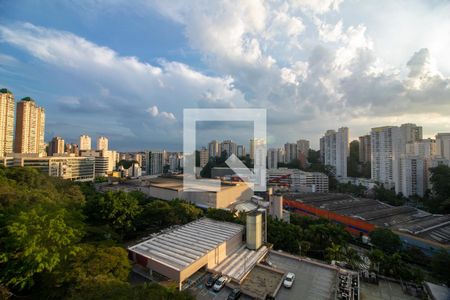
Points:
(127, 69)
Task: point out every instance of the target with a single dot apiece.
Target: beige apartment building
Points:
(30, 127)
(56, 146)
(102, 143)
(6, 122)
(85, 142)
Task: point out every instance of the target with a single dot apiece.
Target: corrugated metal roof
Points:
(185, 245)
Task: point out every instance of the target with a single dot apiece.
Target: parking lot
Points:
(312, 281)
(201, 292)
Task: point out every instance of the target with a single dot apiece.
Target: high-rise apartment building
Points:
(72, 149)
(30, 127)
(425, 148)
(204, 157)
(56, 146)
(334, 146)
(414, 175)
(229, 147)
(155, 162)
(443, 145)
(303, 147)
(102, 143)
(290, 152)
(213, 149)
(240, 151)
(364, 149)
(85, 142)
(6, 122)
(272, 158)
(388, 144)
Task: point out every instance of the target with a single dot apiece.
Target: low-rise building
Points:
(66, 167)
(296, 180)
(169, 188)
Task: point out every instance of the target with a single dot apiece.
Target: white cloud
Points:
(154, 112)
(312, 63)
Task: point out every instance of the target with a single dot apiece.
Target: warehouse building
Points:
(169, 188)
(201, 245)
(415, 227)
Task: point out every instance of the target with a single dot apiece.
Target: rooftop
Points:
(176, 183)
(404, 219)
(184, 245)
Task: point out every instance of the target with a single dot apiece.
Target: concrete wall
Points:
(164, 194)
(228, 196)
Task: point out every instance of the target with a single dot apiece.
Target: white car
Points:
(289, 280)
(219, 284)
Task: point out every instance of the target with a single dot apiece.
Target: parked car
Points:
(211, 280)
(289, 280)
(235, 294)
(219, 284)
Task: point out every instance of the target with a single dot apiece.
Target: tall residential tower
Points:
(6, 122)
(30, 127)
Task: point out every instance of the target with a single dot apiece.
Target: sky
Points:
(127, 69)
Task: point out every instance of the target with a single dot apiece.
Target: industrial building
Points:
(204, 244)
(415, 227)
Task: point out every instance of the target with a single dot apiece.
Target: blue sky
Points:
(126, 69)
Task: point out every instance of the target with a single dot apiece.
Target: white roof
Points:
(183, 246)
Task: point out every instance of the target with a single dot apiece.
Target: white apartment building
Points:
(297, 180)
(364, 149)
(204, 157)
(443, 145)
(335, 150)
(175, 162)
(66, 167)
(240, 151)
(155, 162)
(414, 175)
(272, 158)
(229, 147)
(30, 127)
(213, 149)
(105, 161)
(424, 148)
(85, 142)
(6, 122)
(102, 143)
(388, 144)
(290, 152)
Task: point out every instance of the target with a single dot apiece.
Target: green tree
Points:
(334, 252)
(386, 240)
(35, 241)
(91, 262)
(376, 257)
(440, 265)
(106, 288)
(388, 196)
(117, 209)
(304, 247)
(440, 180)
(353, 160)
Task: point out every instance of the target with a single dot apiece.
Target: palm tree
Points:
(352, 257)
(334, 252)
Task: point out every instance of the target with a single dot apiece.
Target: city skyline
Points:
(337, 67)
